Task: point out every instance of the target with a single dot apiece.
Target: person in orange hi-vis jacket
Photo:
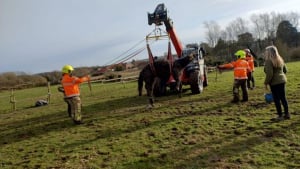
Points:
(71, 90)
(240, 68)
(250, 73)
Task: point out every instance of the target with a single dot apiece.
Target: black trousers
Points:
(278, 92)
(250, 79)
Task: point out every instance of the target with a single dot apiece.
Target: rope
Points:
(131, 55)
(115, 60)
(126, 58)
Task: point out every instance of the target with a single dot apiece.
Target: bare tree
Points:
(274, 22)
(265, 24)
(235, 28)
(213, 32)
(263, 28)
(240, 26)
(230, 32)
(259, 29)
(224, 35)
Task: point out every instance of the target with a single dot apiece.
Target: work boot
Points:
(277, 119)
(234, 101)
(77, 122)
(236, 98)
(287, 116)
(244, 100)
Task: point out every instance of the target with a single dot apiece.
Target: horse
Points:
(156, 80)
(178, 67)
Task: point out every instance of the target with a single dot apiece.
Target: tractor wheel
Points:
(196, 83)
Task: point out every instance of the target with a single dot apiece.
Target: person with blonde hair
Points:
(275, 71)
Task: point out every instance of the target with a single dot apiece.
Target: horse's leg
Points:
(180, 89)
(148, 86)
(151, 97)
(163, 87)
(140, 83)
(176, 77)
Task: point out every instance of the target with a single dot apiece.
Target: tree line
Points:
(257, 32)
(21, 80)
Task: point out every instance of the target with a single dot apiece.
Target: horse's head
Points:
(203, 52)
(191, 56)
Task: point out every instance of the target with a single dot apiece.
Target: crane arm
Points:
(160, 17)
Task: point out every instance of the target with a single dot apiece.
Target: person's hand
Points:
(220, 69)
(61, 89)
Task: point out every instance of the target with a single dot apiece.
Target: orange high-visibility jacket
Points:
(240, 68)
(71, 85)
(250, 60)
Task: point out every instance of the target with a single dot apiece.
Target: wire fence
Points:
(117, 80)
(12, 99)
(9, 101)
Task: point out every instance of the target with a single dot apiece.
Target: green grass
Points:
(191, 132)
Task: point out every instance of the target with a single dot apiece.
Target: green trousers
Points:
(75, 108)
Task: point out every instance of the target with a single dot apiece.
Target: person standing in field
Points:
(70, 86)
(240, 68)
(250, 73)
(275, 71)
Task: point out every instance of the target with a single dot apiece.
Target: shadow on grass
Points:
(117, 132)
(214, 153)
(135, 127)
(28, 127)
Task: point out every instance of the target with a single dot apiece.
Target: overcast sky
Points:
(43, 35)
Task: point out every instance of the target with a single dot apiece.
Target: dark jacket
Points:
(274, 75)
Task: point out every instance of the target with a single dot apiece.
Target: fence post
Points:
(122, 81)
(217, 71)
(13, 100)
(49, 93)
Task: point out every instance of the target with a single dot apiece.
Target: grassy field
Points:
(192, 132)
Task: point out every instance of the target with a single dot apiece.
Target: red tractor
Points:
(194, 73)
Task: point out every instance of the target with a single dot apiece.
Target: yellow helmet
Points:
(67, 69)
(241, 54)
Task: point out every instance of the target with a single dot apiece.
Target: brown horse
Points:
(156, 81)
(178, 67)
